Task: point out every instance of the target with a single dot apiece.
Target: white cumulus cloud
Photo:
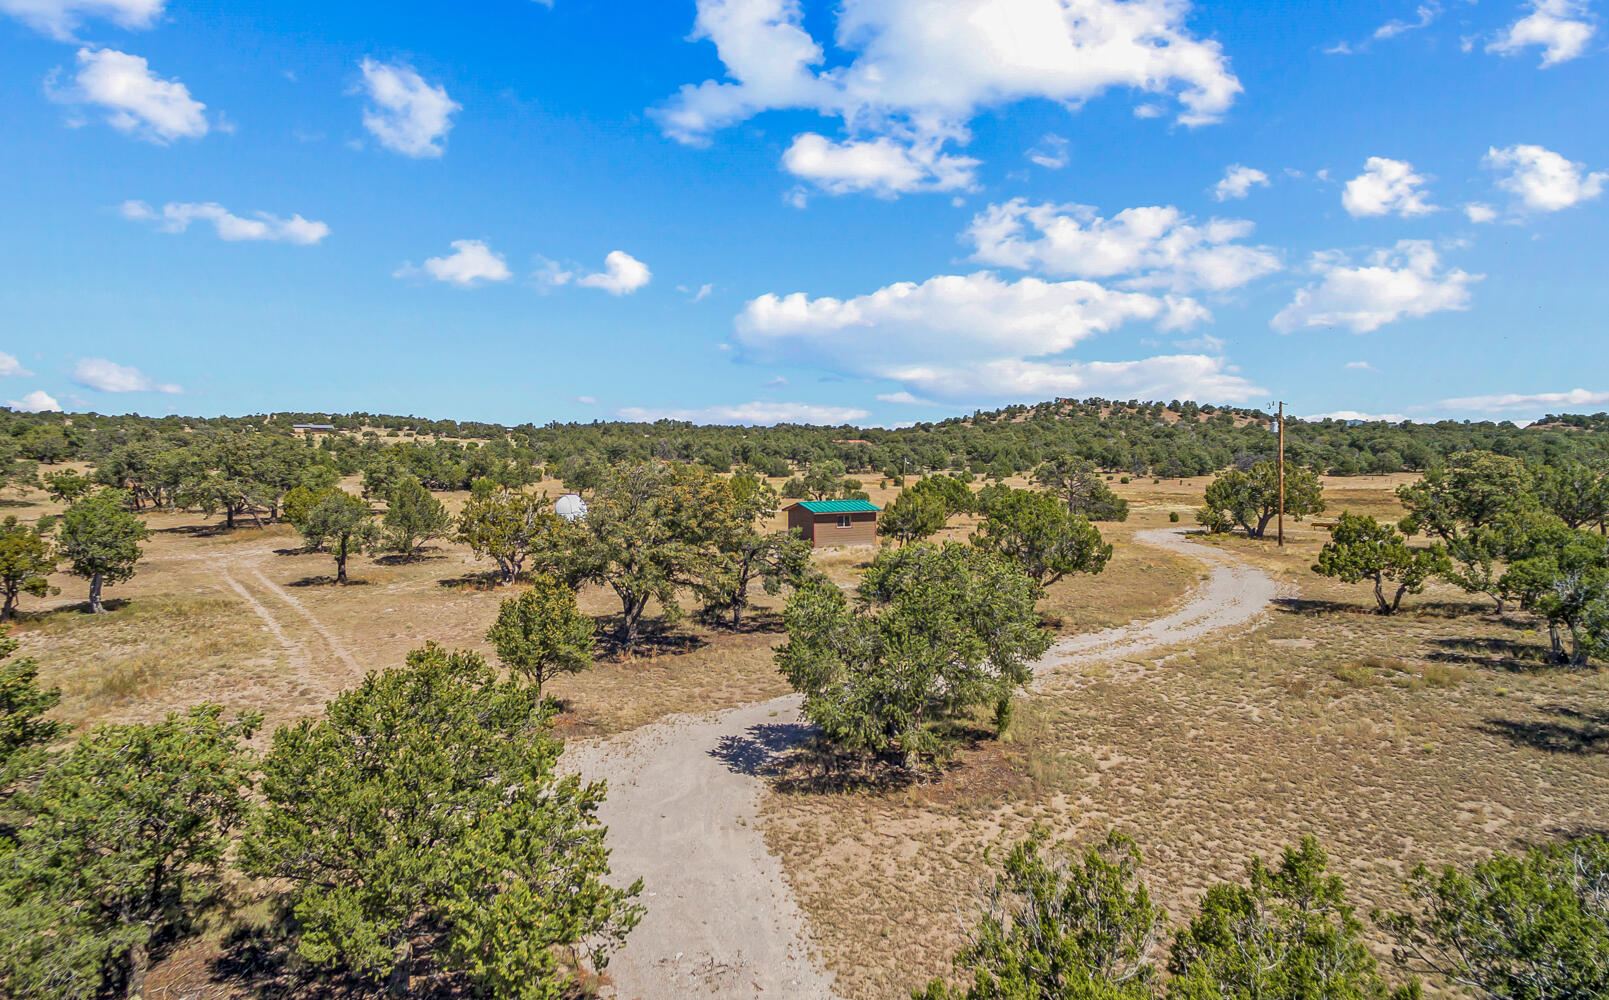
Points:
(136, 101)
(407, 114)
(1150, 247)
(882, 166)
(1351, 415)
(1533, 402)
(1542, 180)
(109, 376)
(1561, 28)
(1386, 187)
(37, 401)
(471, 263)
(175, 217)
(1479, 212)
(9, 365)
(622, 274)
(60, 18)
(1402, 282)
(751, 413)
(1238, 181)
(969, 338)
(916, 72)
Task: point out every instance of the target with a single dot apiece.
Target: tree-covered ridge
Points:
(1172, 439)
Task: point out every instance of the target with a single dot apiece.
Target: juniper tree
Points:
(99, 539)
(1361, 548)
(425, 804)
(540, 634)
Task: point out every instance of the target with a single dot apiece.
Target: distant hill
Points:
(1178, 438)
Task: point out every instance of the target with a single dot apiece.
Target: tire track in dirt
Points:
(296, 605)
(262, 612)
(683, 808)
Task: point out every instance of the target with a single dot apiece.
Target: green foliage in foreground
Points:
(933, 634)
(24, 731)
(1528, 927)
(1287, 933)
(426, 803)
(1361, 548)
(1058, 925)
(124, 854)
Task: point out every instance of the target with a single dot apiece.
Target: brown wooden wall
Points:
(862, 530)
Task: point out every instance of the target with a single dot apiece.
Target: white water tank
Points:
(570, 507)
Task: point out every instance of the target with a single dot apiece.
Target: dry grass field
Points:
(1434, 736)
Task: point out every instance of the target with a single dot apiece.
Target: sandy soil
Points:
(684, 799)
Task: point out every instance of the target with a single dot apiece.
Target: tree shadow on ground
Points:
(407, 560)
(260, 962)
(64, 610)
(759, 750)
(198, 530)
(1365, 608)
(655, 640)
(754, 623)
(813, 766)
(1306, 607)
(327, 581)
(1491, 652)
(1569, 731)
(473, 580)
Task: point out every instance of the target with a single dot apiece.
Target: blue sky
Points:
(876, 211)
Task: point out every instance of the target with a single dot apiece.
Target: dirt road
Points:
(684, 799)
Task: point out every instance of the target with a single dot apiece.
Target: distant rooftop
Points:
(839, 506)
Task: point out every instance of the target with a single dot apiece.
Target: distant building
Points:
(570, 507)
(314, 428)
(835, 522)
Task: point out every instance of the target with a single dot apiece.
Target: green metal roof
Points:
(839, 506)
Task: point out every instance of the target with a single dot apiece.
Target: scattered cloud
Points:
(882, 166)
(1542, 180)
(775, 382)
(1386, 187)
(1396, 26)
(37, 401)
(9, 365)
(1536, 401)
(136, 101)
(1050, 153)
(1361, 366)
(60, 18)
(703, 292)
(405, 113)
(917, 73)
(622, 274)
(586, 400)
(1561, 28)
(109, 376)
(1150, 247)
(175, 217)
(903, 398)
(1402, 282)
(1390, 418)
(1238, 181)
(973, 337)
(471, 263)
(751, 413)
(1479, 211)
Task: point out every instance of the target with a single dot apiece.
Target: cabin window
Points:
(843, 520)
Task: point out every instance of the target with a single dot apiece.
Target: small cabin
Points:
(835, 522)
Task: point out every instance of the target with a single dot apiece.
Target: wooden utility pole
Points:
(1282, 473)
